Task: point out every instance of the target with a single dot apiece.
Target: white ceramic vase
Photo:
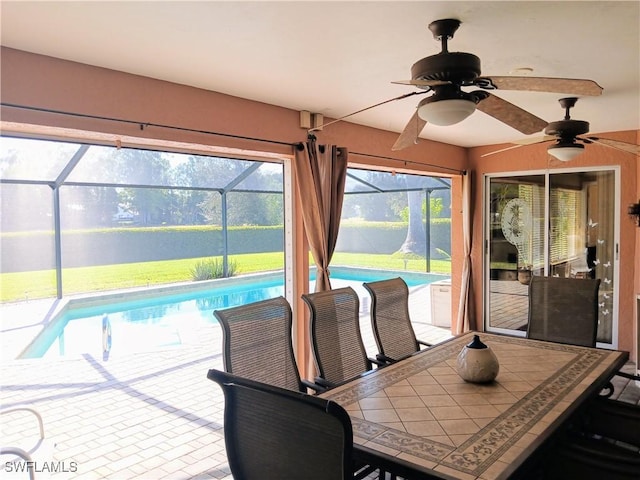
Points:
(477, 363)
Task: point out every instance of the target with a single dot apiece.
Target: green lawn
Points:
(41, 284)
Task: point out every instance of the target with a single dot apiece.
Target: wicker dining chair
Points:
(563, 310)
(589, 459)
(278, 434)
(257, 343)
(336, 341)
(390, 320)
(615, 420)
(601, 441)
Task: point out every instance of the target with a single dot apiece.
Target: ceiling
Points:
(336, 58)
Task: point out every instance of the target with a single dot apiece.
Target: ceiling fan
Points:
(566, 133)
(446, 73)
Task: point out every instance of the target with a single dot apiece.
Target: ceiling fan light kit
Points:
(446, 112)
(567, 152)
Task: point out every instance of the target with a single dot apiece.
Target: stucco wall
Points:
(32, 80)
(48, 83)
(535, 157)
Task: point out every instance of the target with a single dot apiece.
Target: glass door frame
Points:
(486, 260)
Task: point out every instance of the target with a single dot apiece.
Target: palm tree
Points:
(415, 241)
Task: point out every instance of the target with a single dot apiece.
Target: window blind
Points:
(565, 224)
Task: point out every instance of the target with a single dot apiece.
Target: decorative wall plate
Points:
(516, 221)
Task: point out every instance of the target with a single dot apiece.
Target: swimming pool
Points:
(166, 317)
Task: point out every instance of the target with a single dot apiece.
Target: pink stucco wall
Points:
(536, 158)
(49, 83)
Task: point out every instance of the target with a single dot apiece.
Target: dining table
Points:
(419, 419)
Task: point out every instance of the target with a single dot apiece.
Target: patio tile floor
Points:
(151, 415)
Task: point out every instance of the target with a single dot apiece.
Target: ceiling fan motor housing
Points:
(567, 129)
(459, 68)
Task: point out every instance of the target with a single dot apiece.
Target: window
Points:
(566, 213)
(570, 231)
(134, 217)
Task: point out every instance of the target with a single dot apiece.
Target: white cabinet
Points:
(441, 303)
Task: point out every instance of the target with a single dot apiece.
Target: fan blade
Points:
(410, 133)
(534, 140)
(512, 115)
(573, 86)
(522, 143)
(501, 150)
(422, 83)
(617, 144)
(401, 97)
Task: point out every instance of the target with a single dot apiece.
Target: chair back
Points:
(614, 419)
(563, 310)
(338, 351)
(257, 343)
(273, 433)
(390, 320)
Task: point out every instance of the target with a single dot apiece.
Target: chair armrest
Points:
(379, 363)
(19, 452)
(426, 344)
(22, 454)
(630, 376)
(594, 452)
(5, 411)
(383, 358)
(43, 449)
(324, 383)
(608, 389)
(314, 386)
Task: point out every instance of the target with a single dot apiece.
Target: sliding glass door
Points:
(560, 223)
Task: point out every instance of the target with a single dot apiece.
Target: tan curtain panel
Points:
(466, 320)
(321, 171)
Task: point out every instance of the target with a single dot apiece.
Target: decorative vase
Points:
(477, 363)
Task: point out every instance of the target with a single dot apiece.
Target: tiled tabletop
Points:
(420, 412)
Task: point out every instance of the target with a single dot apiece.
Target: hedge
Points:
(28, 251)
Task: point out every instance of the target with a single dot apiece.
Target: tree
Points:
(415, 241)
(144, 167)
(436, 207)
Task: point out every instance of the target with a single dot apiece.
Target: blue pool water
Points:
(121, 326)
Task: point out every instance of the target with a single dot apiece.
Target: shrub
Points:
(443, 254)
(211, 268)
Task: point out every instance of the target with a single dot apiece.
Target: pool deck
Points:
(151, 415)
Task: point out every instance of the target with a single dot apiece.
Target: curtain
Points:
(466, 321)
(601, 228)
(321, 172)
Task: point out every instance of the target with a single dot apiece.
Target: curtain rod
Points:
(406, 162)
(143, 125)
(207, 132)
